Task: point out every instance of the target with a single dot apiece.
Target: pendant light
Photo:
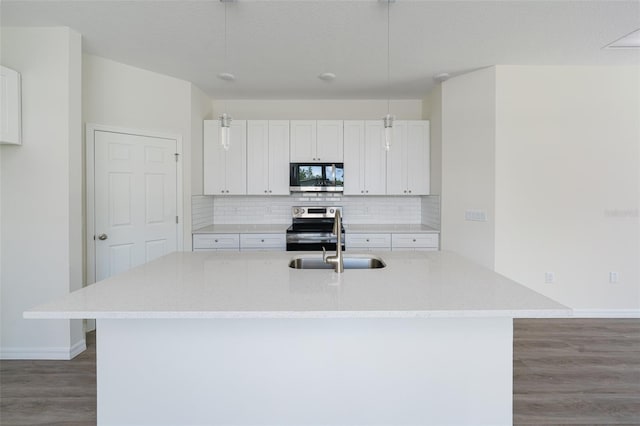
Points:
(225, 119)
(388, 119)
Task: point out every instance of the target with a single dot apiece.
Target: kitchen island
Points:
(242, 339)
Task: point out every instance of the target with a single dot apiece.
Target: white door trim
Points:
(91, 128)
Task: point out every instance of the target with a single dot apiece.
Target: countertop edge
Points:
(525, 313)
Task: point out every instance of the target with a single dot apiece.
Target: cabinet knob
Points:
(362, 192)
(270, 191)
(314, 158)
(265, 191)
(405, 191)
(367, 191)
(227, 191)
(367, 240)
(222, 191)
(409, 191)
(262, 241)
(414, 240)
(216, 241)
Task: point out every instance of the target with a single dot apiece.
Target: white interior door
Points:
(135, 197)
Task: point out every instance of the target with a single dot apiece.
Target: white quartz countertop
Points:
(390, 229)
(282, 228)
(243, 229)
(261, 285)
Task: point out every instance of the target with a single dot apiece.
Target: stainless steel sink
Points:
(350, 262)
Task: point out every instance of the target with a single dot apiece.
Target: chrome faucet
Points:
(336, 260)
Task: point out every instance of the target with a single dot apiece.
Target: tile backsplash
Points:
(201, 211)
(277, 209)
(431, 211)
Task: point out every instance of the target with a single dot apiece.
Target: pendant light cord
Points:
(388, 57)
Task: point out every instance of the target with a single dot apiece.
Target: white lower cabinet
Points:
(210, 242)
(239, 242)
(265, 242)
(426, 242)
(367, 241)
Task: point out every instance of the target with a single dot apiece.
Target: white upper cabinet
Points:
(364, 158)
(225, 172)
(330, 141)
(10, 107)
(408, 159)
(267, 157)
(316, 141)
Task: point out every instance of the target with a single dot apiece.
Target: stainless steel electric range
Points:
(312, 229)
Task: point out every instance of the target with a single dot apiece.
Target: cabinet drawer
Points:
(216, 241)
(262, 242)
(414, 241)
(355, 241)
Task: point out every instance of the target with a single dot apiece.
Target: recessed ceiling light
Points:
(630, 41)
(327, 76)
(226, 76)
(443, 76)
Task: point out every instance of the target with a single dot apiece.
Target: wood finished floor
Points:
(566, 371)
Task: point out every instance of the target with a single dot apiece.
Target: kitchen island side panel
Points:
(292, 371)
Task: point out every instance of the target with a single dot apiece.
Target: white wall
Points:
(568, 182)
(318, 109)
(468, 139)
(41, 218)
(119, 95)
(432, 111)
(201, 109)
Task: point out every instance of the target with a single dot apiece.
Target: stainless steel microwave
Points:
(316, 177)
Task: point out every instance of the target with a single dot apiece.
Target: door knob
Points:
(103, 237)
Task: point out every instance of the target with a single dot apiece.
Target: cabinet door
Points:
(354, 157)
(330, 141)
(303, 141)
(236, 159)
(397, 161)
(279, 157)
(418, 163)
(257, 157)
(375, 160)
(214, 169)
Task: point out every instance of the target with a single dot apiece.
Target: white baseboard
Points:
(606, 313)
(44, 353)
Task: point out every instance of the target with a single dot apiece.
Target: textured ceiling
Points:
(278, 48)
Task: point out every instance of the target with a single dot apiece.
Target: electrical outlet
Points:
(475, 215)
(549, 277)
(613, 277)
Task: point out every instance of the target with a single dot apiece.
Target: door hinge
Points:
(176, 219)
(176, 154)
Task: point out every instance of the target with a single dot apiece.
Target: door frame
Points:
(90, 142)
